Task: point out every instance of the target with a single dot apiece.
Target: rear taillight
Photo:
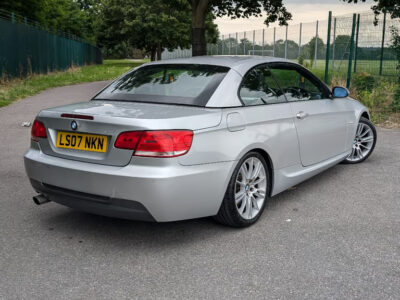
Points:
(38, 131)
(164, 143)
(128, 140)
(161, 143)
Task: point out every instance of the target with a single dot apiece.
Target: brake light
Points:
(161, 143)
(74, 116)
(38, 131)
(128, 140)
(164, 143)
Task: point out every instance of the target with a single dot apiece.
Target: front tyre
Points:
(363, 143)
(246, 194)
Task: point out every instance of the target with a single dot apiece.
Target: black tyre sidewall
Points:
(232, 216)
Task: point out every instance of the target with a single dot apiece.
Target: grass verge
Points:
(376, 93)
(16, 89)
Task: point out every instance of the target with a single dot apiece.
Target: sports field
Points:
(338, 68)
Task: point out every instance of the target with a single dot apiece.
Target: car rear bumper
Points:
(150, 193)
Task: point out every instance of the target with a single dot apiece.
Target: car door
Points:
(268, 118)
(319, 119)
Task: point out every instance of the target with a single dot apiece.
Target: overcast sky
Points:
(302, 11)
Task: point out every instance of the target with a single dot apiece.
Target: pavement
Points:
(335, 236)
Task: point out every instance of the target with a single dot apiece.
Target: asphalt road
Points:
(342, 240)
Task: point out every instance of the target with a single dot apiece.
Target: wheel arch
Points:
(270, 165)
(365, 114)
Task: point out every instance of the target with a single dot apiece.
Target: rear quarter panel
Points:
(266, 127)
(356, 111)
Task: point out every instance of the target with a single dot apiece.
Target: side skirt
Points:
(287, 177)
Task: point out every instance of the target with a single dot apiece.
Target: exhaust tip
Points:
(40, 199)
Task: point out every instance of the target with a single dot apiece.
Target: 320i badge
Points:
(197, 137)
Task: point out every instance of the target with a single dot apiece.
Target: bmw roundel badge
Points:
(74, 125)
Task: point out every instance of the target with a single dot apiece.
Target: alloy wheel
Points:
(362, 143)
(250, 188)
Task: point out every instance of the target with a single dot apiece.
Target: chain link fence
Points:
(26, 48)
(367, 49)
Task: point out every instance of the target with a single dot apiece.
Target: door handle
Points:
(301, 115)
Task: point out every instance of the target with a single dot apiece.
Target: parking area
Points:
(335, 236)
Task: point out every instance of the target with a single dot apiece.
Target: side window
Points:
(297, 86)
(259, 87)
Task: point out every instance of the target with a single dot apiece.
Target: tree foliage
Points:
(321, 48)
(70, 16)
(30, 9)
(274, 10)
(342, 46)
(148, 25)
(390, 6)
(396, 47)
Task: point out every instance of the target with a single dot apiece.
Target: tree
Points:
(292, 49)
(320, 48)
(70, 16)
(390, 6)
(235, 9)
(342, 45)
(91, 10)
(396, 47)
(64, 16)
(157, 24)
(30, 9)
(150, 25)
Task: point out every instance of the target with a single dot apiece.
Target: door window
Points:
(297, 85)
(259, 87)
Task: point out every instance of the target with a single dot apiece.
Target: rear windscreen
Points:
(186, 84)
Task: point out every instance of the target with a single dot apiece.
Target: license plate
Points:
(81, 141)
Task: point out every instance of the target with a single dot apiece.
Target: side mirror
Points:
(340, 92)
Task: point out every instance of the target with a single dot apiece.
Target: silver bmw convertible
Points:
(197, 137)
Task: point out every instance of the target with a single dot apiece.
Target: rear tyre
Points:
(363, 143)
(246, 194)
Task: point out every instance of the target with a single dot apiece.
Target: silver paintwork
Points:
(299, 139)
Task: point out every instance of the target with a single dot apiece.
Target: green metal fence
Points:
(355, 45)
(26, 48)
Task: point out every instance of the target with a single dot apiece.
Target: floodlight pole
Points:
(301, 27)
(222, 45)
(353, 29)
(273, 51)
(356, 46)
(328, 45)
(383, 42)
(229, 49)
(254, 39)
(316, 46)
(334, 44)
(244, 43)
(262, 49)
(286, 41)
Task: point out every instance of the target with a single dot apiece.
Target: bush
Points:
(300, 60)
(364, 82)
(396, 100)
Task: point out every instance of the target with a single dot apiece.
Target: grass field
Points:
(21, 88)
(340, 68)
